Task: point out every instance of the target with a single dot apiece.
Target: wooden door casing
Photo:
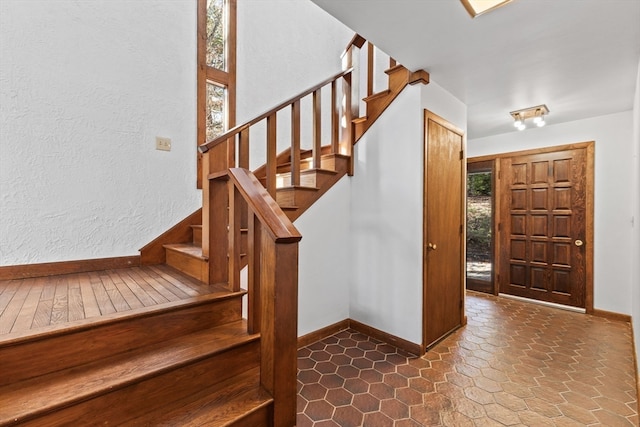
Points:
(443, 256)
(543, 227)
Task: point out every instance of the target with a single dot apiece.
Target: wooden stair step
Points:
(188, 258)
(188, 249)
(64, 346)
(376, 96)
(291, 195)
(308, 178)
(237, 401)
(137, 381)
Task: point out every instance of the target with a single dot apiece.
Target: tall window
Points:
(216, 70)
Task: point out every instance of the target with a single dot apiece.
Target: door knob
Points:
(432, 246)
(579, 242)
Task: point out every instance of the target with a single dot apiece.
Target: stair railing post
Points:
(347, 124)
(278, 354)
(217, 224)
(254, 313)
(295, 143)
(271, 154)
(335, 118)
(235, 237)
(317, 129)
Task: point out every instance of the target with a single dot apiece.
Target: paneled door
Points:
(543, 228)
(443, 229)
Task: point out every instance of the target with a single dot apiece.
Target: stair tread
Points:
(232, 399)
(312, 170)
(297, 187)
(188, 249)
(377, 95)
(47, 392)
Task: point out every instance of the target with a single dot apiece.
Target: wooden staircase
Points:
(187, 363)
(198, 362)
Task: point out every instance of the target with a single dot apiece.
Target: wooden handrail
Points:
(234, 131)
(357, 41)
(277, 224)
(272, 278)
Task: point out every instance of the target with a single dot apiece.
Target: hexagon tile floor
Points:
(515, 363)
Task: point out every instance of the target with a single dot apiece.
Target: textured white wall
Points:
(613, 193)
(284, 48)
(386, 221)
(386, 212)
(85, 86)
(635, 186)
(325, 260)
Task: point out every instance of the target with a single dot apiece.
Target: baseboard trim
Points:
(545, 303)
(320, 334)
(26, 271)
(611, 315)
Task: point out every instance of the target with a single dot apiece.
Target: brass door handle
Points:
(578, 242)
(432, 246)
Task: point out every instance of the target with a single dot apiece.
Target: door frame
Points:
(485, 165)
(589, 147)
(428, 115)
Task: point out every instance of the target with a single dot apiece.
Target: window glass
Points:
(216, 111)
(479, 226)
(216, 33)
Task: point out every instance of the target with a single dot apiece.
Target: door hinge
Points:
(461, 228)
(461, 154)
(499, 227)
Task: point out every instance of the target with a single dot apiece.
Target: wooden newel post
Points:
(215, 225)
(279, 326)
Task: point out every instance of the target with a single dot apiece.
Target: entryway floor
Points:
(515, 363)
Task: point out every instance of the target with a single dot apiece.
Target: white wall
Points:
(613, 193)
(85, 86)
(325, 260)
(635, 191)
(387, 214)
(284, 48)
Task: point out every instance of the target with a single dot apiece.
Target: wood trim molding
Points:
(154, 253)
(322, 333)
(401, 343)
(327, 331)
(12, 272)
(611, 315)
(530, 152)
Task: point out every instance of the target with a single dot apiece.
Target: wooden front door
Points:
(542, 226)
(443, 221)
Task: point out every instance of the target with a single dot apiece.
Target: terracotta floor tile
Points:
(552, 368)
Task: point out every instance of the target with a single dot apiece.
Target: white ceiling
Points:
(579, 57)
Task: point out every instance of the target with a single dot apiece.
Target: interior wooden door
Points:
(542, 227)
(443, 229)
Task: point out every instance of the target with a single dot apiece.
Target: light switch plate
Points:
(163, 144)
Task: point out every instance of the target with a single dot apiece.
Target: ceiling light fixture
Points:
(478, 7)
(537, 113)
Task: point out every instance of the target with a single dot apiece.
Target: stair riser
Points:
(158, 393)
(197, 235)
(193, 267)
(63, 350)
(306, 180)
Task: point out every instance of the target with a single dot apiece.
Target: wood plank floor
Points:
(29, 304)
